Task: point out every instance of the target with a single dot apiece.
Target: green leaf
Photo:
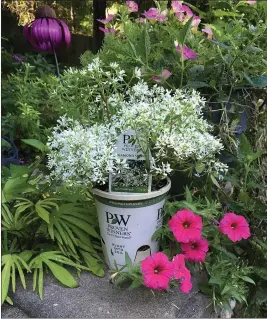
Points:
(261, 272)
(188, 195)
(221, 13)
(83, 225)
(226, 289)
(62, 274)
(254, 156)
(135, 284)
(245, 278)
(21, 274)
(41, 282)
(15, 186)
(214, 181)
(244, 148)
(128, 261)
(6, 277)
(93, 264)
(197, 84)
(18, 170)
(35, 143)
(43, 213)
(8, 300)
(184, 32)
(216, 281)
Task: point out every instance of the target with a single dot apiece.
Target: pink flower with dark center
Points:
(187, 11)
(235, 227)
(181, 273)
(186, 226)
(176, 6)
(195, 250)
(164, 75)
(186, 52)
(157, 271)
(107, 30)
(107, 20)
(132, 6)
(151, 14)
(209, 32)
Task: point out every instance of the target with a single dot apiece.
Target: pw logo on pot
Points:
(117, 219)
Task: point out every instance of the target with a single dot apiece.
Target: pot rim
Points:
(131, 197)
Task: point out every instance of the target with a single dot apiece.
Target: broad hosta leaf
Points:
(257, 81)
(35, 143)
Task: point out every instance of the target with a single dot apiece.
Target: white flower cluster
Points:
(170, 123)
(82, 156)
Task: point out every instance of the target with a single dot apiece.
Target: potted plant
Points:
(160, 130)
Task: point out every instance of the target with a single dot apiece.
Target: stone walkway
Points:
(97, 298)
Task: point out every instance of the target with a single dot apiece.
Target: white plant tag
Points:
(135, 178)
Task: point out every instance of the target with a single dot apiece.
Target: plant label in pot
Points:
(135, 178)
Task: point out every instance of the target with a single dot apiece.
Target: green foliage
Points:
(43, 232)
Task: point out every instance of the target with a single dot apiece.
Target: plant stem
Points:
(182, 75)
(55, 55)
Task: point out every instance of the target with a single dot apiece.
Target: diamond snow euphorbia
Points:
(80, 156)
(171, 125)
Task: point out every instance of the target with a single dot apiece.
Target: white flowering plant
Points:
(170, 130)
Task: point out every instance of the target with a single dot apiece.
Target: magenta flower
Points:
(186, 52)
(195, 250)
(187, 11)
(181, 273)
(132, 6)
(164, 75)
(15, 57)
(186, 226)
(157, 271)
(180, 16)
(107, 30)
(107, 20)
(209, 32)
(151, 14)
(176, 6)
(46, 32)
(154, 15)
(235, 227)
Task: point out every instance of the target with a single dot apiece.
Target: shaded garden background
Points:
(80, 15)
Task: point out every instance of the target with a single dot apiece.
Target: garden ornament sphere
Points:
(46, 32)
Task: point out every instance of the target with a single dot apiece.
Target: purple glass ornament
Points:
(46, 32)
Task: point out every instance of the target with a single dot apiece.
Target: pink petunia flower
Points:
(186, 52)
(132, 6)
(151, 14)
(186, 226)
(176, 6)
(186, 286)
(235, 227)
(162, 17)
(157, 271)
(107, 30)
(209, 32)
(181, 273)
(195, 250)
(251, 2)
(164, 75)
(107, 20)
